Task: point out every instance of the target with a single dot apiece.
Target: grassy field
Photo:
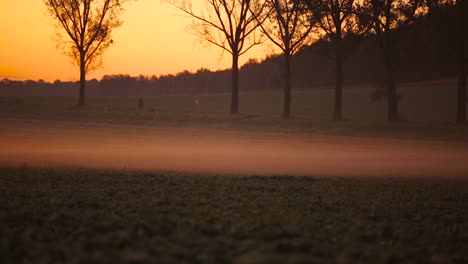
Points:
(100, 216)
(426, 111)
(419, 103)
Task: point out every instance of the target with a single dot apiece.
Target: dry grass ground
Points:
(101, 216)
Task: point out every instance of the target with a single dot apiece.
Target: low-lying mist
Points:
(227, 152)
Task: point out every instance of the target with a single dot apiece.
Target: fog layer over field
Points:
(219, 151)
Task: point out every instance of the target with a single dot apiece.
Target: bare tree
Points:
(462, 33)
(450, 17)
(384, 16)
(84, 30)
(230, 25)
(288, 27)
(336, 20)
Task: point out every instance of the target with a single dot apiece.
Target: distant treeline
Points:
(422, 53)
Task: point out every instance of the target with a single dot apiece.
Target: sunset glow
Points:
(153, 40)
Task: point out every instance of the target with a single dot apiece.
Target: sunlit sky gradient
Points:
(154, 39)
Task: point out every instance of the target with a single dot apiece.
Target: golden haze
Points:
(152, 40)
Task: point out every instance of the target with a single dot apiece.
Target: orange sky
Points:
(152, 40)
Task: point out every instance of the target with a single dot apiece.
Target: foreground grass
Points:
(97, 216)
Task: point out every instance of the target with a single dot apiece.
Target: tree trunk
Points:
(392, 97)
(82, 80)
(337, 113)
(287, 85)
(461, 108)
(235, 84)
(461, 87)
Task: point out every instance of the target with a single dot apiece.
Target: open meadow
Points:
(182, 181)
(421, 103)
(426, 109)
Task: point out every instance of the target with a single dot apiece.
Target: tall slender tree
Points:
(450, 20)
(384, 16)
(288, 27)
(229, 25)
(336, 20)
(462, 34)
(84, 30)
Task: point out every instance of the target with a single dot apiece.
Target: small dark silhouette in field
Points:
(380, 93)
(141, 103)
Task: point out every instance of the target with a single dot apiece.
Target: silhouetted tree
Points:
(89, 25)
(435, 5)
(230, 25)
(336, 20)
(449, 22)
(384, 16)
(288, 27)
(462, 33)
